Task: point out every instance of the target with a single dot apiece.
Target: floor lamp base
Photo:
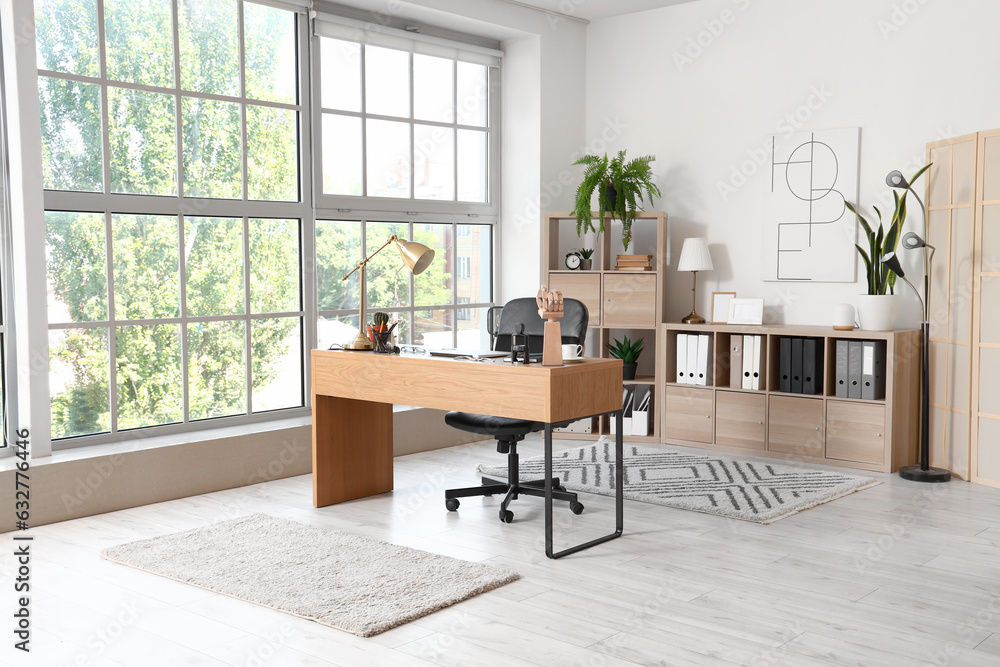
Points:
(915, 474)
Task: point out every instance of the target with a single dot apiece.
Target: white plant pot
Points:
(877, 312)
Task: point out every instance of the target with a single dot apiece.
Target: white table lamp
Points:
(695, 257)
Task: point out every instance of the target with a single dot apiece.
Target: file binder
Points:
(692, 359)
(854, 362)
(682, 350)
(748, 350)
(640, 414)
(703, 368)
(626, 423)
(785, 364)
(873, 370)
(796, 365)
(627, 413)
(841, 377)
(812, 366)
(758, 361)
(736, 361)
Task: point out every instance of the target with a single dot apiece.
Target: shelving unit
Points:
(879, 435)
(619, 301)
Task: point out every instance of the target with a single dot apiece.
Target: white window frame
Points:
(489, 210)
(8, 334)
(411, 309)
(412, 211)
(108, 203)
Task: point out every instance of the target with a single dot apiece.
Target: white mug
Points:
(572, 351)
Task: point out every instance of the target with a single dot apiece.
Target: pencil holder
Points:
(382, 341)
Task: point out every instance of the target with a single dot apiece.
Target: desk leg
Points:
(351, 449)
(619, 493)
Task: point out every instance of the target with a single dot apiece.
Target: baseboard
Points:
(71, 485)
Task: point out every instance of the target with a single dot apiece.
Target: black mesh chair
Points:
(502, 323)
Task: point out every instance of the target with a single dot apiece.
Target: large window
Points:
(174, 224)
(436, 308)
(407, 132)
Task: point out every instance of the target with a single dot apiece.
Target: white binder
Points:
(692, 359)
(640, 414)
(702, 370)
(682, 350)
(749, 347)
(758, 370)
(626, 422)
(627, 414)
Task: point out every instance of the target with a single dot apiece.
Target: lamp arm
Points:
(367, 259)
(915, 291)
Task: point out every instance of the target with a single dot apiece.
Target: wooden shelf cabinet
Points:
(618, 301)
(879, 435)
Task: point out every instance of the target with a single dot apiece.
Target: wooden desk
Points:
(353, 394)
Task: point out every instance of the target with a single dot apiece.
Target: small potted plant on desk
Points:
(587, 263)
(628, 351)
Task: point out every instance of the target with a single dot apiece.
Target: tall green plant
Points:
(627, 180)
(883, 241)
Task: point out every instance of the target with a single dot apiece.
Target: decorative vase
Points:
(877, 312)
(612, 196)
(628, 371)
(586, 264)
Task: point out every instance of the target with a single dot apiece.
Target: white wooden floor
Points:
(900, 574)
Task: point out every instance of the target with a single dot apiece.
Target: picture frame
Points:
(720, 306)
(746, 311)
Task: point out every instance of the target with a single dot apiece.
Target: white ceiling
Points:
(599, 9)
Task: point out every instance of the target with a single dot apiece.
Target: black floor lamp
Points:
(922, 472)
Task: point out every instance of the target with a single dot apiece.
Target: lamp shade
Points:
(695, 256)
(891, 260)
(895, 179)
(417, 256)
(911, 241)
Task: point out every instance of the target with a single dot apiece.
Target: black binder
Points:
(785, 364)
(841, 375)
(796, 366)
(812, 366)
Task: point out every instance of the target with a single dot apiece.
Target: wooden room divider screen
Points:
(963, 202)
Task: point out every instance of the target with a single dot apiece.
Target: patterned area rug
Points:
(348, 582)
(762, 492)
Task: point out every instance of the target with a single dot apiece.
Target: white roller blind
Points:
(340, 27)
(299, 6)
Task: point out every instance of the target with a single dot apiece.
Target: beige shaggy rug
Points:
(347, 582)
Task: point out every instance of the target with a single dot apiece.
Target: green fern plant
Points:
(620, 187)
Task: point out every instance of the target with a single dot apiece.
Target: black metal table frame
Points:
(619, 492)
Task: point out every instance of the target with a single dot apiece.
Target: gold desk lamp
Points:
(417, 258)
(695, 257)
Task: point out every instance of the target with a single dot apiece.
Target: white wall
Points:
(904, 78)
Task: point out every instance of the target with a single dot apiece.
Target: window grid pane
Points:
(139, 44)
(435, 315)
(148, 375)
(445, 161)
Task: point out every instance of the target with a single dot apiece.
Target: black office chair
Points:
(517, 316)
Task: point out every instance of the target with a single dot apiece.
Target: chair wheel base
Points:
(506, 516)
(576, 508)
(452, 504)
